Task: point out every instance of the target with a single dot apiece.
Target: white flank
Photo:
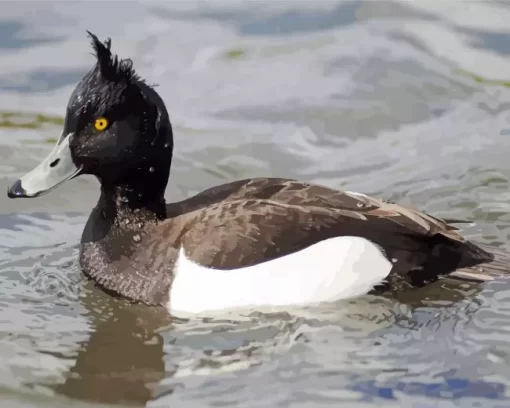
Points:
(337, 268)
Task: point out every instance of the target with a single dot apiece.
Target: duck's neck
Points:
(135, 200)
(114, 233)
(120, 203)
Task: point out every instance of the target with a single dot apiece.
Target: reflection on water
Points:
(358, 95)
(123, 357)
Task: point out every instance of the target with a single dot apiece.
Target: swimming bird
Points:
(248, 243)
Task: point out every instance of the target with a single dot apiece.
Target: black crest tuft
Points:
(109, 66)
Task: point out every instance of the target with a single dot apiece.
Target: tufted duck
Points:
(248, 243)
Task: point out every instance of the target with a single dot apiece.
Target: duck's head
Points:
(116, 128)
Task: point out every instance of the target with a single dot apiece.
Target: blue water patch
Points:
(9, 38)
(294, 22)
(41, 80)
(488, 40)
(450, 388)
(287, 22)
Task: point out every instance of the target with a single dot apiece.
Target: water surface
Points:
(357, 95)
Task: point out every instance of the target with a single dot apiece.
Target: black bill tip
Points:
(16, 190)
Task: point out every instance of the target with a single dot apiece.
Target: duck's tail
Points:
(489, 270)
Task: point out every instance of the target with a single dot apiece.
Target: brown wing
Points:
(300, 194)
(235, 233)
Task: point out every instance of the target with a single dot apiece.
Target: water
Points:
(357, 95)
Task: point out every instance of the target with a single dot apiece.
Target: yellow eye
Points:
(101, 123)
